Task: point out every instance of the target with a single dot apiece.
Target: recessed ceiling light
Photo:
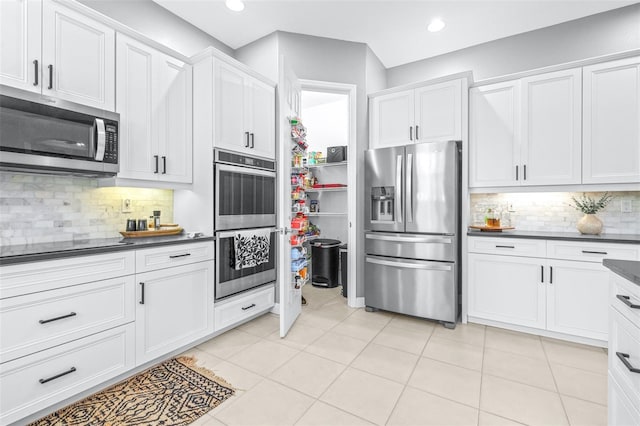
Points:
(235, 5)
(436, 25)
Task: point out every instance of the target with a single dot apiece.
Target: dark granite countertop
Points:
(48, 251)
(629, 269)
(568, 236)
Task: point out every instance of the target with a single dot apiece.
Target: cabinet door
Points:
(174, 308)
(494, 145)
(508, 289)
(81, 53)
(20, 44)
(135, 104)
(578, 299)
(551, 128)
(230, 95)
(175, 141)
(392, 118)
(438, 110)
(611, 129)
(262, 112)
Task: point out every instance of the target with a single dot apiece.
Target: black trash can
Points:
(343, 269)
(325, 262)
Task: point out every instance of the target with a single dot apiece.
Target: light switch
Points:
(126, 205)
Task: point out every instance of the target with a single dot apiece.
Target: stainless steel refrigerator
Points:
(412, 230)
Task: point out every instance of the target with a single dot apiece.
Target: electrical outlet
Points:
(126, 205)
(625, 206)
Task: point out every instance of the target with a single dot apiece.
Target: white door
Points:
(175, 141)
(289, 101)
(508, 289)
(494, 145)
(78, 57)
(138, 146)
(578, 299)
(392, 118)
(611, 129)
(438, 110)
(174, 308)
(263, 119)
(230, 98)
(552, 128)
(20, 44)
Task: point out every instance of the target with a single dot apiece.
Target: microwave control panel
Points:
(111, 146)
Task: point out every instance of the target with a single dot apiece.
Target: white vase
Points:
(589, 224)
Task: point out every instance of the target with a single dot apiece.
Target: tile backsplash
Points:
(42, 209)
(552, 211)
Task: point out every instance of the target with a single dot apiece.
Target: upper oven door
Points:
(244, 197)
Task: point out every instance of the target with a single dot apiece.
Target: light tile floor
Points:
(345, 366)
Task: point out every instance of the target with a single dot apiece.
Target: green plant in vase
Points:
(590, 223)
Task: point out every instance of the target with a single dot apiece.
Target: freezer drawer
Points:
(412, 246)
(413, 287)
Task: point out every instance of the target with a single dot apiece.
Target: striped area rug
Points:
(176, 392)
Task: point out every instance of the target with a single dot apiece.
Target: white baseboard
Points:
(359, 302)
(275, 309)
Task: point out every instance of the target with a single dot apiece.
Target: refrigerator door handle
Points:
(432, 266)
(437, 240)
(398, 191)
(409, 188)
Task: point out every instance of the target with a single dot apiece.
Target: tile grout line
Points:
(484, 350)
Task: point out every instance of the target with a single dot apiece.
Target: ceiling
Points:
(394, 29)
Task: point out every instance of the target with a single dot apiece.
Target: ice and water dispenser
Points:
(382, 203)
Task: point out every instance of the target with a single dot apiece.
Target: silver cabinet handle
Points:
(246, 134)
(399, 189)
(101, 138)
(175, 256)
(253, 305)
(428, 267)
(156, 160)
(69, 315)
(623, 357)
(410, 187)
(164, 165)
(497, 246)
(37, 72)
(417, 127)
(627, 301)
(141, 294)
(524, 172)
(50, 77)
(57, 376)
(410, 133)
(593, 252)
(444, 240)
(516, 172)
(252, 140)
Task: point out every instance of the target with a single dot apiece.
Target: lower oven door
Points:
(230, 280)
(244, 197)
(420, 288)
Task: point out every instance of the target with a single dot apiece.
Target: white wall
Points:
(262, 56)
(159, 24)
(605, 33)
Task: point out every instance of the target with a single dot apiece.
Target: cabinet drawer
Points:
(38, 321)
(621, 411)
(34, 382)
(624, 338)
(629, 294)
(234, 310)
(508, 246)
(169, 256)
(25, 278)
(591, 252)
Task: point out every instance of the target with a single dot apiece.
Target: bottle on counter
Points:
(150, 223)
(156, 219)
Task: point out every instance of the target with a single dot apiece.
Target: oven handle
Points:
(244, 170)
(227, 234)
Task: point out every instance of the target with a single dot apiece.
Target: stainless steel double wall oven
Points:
(244, 204)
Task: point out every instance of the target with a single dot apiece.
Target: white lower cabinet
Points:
(559, 287)
(174, 308)
(236, 309)
(31, 383)
(507, 289)
(621, 411)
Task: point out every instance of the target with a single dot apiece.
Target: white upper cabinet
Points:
(427, 114)
(438, 112)
(392, 118)
(526, 132)
(551, 128)
(245, 112)
(494, 139)
(154, 101)
(56, 51)
(20, 47)
(611, 122)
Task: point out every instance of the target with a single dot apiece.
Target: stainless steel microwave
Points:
(40, 134)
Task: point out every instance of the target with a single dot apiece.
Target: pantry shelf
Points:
(323, 214)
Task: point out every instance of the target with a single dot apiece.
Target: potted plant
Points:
(590, 223)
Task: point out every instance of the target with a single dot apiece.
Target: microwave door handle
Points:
(399, 189)
(100, 138)
(409, 194)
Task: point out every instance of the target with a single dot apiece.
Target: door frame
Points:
(352, 155)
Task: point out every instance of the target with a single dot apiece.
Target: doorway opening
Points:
(328, 111)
